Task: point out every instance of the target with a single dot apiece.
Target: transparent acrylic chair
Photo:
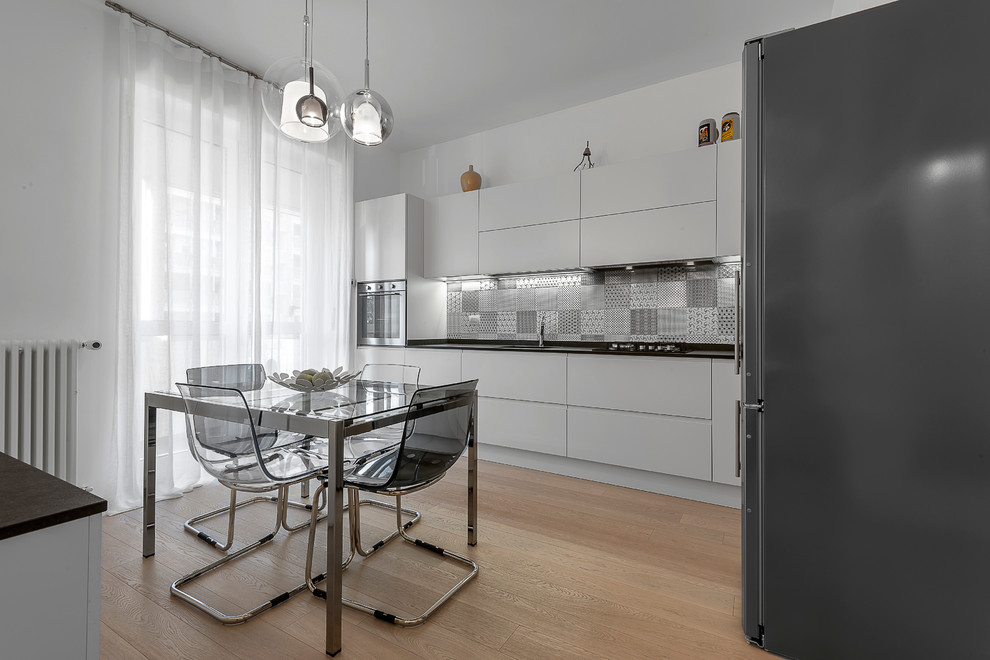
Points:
(246, 378)
(220, 426)
(436, 428)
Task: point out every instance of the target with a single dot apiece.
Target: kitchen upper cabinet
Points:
(536, 202)
(665, 234)
(451, 236)
(728, 210)
(380, 238)
(726, 390)
(545, 247)
(671, 179)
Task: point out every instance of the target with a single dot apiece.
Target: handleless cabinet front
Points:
(546, 247)
(451, 235)
(671, 179)
(729, 203)
(525, 376)
(521, 398)
(667, 234)
(380, 239)
(659, 385)
(552, 199)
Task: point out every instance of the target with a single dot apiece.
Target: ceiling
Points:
(450, 68)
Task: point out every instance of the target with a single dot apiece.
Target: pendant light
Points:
(365, 115)
(301, 97)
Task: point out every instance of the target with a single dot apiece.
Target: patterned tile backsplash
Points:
(670, 303)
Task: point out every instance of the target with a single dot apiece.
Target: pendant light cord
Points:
(367, 63)
(307, 42)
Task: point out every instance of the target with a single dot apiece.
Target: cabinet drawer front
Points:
(681, 177)
(525, 425)
(530, 203)
(524, 376)
(666, 386)
(678, 232)
(670, 445)
(437, 366)
(526, 249)
(378, 355)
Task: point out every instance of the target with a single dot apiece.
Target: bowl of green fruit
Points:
(313, 380)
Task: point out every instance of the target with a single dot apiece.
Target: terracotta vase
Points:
(470, 180)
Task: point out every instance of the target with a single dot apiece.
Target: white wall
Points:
(376, 172)
(647, 121)
(843, 7)
(56, 252)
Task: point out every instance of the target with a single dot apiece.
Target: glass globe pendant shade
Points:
(366, 117)
(287, 86)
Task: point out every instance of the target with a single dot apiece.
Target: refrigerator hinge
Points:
(758, 407)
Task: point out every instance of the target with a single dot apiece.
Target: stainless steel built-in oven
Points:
(381, 313)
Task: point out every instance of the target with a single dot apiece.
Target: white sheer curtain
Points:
(234, 243)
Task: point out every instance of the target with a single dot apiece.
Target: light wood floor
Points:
(568, 569)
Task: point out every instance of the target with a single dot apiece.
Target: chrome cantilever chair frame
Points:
(253, 478)
(464, 397)
(245, 377)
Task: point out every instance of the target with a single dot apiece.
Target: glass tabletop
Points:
(354, 400)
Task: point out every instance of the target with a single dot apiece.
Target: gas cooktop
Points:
(641, 347)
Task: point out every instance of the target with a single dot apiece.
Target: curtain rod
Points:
(180, 39)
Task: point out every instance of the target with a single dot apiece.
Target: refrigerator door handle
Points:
(738, 439)
(737, 348)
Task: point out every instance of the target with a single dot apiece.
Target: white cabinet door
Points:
(680, 177)
(667, 386)
(677, 232)
(439, 366)
(726, 391)
(380, 239)
(672, 445)
(538, 427)
(728, 231)
(523, 375)
(378, 355)
(530, 202)
(451, 235)
(555, 246)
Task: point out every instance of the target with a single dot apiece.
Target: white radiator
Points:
(38, 404)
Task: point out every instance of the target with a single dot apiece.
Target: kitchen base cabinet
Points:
(672, 445)
(537, 427)
(437, 366)
(378, 355)
(726, 386)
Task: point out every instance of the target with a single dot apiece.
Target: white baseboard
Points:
(653, 482)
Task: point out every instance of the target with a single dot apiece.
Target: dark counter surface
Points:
(31, 499)
(583, 348)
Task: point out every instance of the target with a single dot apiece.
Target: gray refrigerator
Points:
(866, 326)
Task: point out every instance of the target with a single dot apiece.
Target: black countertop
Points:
(31, 499)
(583, 348)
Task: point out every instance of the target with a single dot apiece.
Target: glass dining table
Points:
(355, 407)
